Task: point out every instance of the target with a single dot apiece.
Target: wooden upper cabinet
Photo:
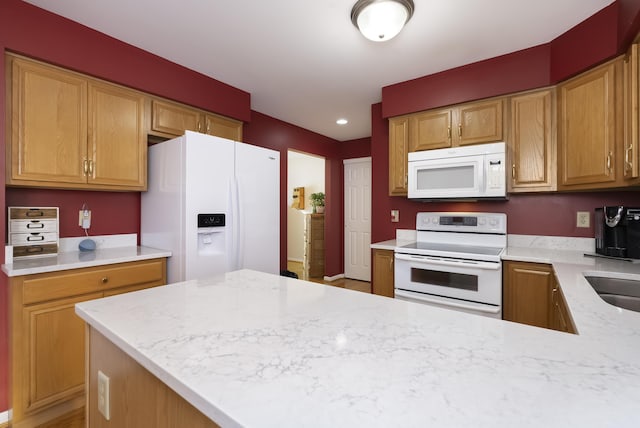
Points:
(73, 132)
(473, 123)
(632, 113)
(173, 119)
(223, 127)
(479, 122)
(398, 155)
(430, 130)
(589, 128)
(531, 142)
(48, 125)
(117, 142)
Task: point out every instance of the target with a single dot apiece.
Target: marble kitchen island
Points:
(255, 350)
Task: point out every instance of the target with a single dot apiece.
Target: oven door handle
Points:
(449, 262)
(478, 307)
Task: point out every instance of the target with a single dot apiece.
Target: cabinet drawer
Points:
(32, 213)
(28, 226)
(43, 287)
(34, 250)
(33, 238)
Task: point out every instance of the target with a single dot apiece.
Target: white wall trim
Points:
(4, 417)
(334, 277)
(356, 160)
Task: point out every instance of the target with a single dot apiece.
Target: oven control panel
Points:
(458, 222)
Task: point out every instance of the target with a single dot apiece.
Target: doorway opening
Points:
(305, 229)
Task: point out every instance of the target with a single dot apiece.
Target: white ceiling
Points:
(305, 63)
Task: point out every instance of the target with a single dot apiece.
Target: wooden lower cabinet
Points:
(137, 398)
(313, 246)
(383, 272)
(47, 338)
(531, 295)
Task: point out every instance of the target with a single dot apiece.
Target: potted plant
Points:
(317, 201)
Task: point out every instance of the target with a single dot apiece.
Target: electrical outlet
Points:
(582, 219)
(84, 219)
(395, 216)
(103, 395)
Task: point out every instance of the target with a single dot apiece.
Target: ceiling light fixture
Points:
(381, 20)
(342, 121)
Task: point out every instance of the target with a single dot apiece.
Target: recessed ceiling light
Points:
(342, 121)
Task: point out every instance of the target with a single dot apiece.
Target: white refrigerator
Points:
(214, 203)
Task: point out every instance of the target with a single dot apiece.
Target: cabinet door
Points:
(383, 273)
(48, 125)
(430, 130)
(173, 119)
(632, 113)
(479, 123)
(531, 143)
(561, 318)
(588, 129)
(223, 127)
(117, 143)
(54, 338)
(527, 293)
(398, 151)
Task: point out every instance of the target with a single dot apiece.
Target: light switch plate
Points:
(395, 216)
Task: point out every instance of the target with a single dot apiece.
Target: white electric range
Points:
(455, 262)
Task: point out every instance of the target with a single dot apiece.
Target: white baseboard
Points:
(334, 277)
(4, 417)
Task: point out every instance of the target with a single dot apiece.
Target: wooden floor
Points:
(350, 284)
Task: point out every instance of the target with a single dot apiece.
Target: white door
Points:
(357, 218)
(257, 208)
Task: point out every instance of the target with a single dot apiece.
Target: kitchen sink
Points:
(623, 293)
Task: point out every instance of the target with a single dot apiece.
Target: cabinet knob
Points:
(105, 279)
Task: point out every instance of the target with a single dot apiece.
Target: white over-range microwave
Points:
(469, 172)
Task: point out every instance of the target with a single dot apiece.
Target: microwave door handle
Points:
(448, 262)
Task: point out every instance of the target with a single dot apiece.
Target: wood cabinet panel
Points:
(532, 143)
(55, 350)
(46, 344)
(479, 122)
(398, 155)
(430, 130)
(532, 295)
(117, 142)
(383, 272)
(138, 398)
(589, 128)
(48, 124)
(174, 119)
(223, 127)
(632, 113)
(527, 293)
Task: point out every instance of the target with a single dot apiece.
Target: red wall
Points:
(275, 134)
(597, 39)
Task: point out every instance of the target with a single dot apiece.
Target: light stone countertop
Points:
(81, 259)
(255, 350)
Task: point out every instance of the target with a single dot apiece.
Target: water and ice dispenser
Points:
(211, 234)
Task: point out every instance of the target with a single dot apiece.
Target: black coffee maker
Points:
(617, 230)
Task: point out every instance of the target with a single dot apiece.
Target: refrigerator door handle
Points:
(236, 241)
(239, 229)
